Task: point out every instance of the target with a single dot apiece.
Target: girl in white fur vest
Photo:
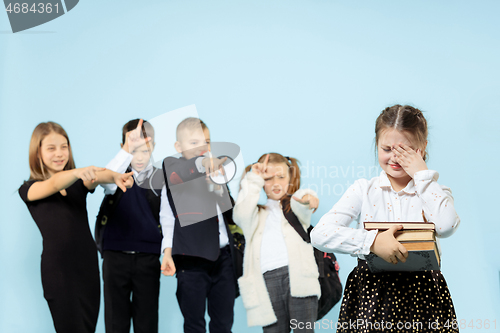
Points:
(279, 286)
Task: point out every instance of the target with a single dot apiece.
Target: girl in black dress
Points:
(56, 198)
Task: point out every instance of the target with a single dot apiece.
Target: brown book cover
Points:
(414, 235)
(422, 256)
(406, 225)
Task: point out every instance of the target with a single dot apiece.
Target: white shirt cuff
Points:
(119, 164)
(367, 244)
(425, 175)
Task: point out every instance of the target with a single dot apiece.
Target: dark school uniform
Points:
(130, 242)
(205, 272)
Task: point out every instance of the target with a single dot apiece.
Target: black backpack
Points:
(329, 280)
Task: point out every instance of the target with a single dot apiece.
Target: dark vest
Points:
(130, 221)
(196, 230)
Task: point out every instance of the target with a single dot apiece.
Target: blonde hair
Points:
(38, 170)
(190, 123)
(293, 171)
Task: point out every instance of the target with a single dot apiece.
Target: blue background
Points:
(303, 78)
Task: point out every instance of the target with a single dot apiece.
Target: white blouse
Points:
(273, 249)
(375, 200)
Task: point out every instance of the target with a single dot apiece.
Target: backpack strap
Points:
(295, 223)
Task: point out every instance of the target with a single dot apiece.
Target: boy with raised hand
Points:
(128, 234)
(197, 243)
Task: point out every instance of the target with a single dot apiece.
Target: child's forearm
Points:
(302, 211)
(119, 164)
(54, 184)
(123, 181)
(167, 220)
(103, 177)
(106, 177)
(437, 202)
(64, 179)
(245, 209)
(332, 234)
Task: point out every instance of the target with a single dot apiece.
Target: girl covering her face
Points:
(405, 191)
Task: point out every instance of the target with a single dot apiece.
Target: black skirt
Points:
(396, 302)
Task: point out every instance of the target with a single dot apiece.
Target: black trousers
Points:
(201, 282)
(131, 289)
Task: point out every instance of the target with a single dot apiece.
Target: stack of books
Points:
(419, 238)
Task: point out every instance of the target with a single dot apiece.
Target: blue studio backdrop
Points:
(303, 78)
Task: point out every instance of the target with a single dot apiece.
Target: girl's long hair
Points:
(38, 170)
(293, 171)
